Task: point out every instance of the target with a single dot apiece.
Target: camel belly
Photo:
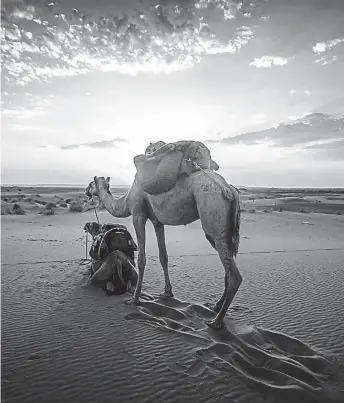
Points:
(175, 207)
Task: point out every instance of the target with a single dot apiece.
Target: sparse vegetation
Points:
(63, 204)
(17, 209)
(76, 206)
(50, 209)
(5, 209)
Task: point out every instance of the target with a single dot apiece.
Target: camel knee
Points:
(234, 277)
(235, 280)
(163, 259)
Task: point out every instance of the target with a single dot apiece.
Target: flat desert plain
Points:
(66, 341)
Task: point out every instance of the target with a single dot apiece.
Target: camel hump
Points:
(160, 167)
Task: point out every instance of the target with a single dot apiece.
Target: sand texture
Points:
(65, 341)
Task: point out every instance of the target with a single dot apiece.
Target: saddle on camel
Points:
(163, 164)
(113, 258)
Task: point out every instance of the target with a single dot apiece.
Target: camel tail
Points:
(232, 194)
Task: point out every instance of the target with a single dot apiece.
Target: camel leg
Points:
(160, 235)
(139, 222)
(104, 273)
(219, 303)
(234, 280)
(216, 308)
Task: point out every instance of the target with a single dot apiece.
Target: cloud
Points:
(96, 144)
(324, 60)
(268, 61)
(324, 51)
(39, 43)
(321, 47)
(332, 149)
(313, 131)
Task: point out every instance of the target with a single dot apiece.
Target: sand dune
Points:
(63, 340)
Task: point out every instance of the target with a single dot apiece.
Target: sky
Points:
(87, 85)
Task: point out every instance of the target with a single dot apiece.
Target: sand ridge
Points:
(276, 364)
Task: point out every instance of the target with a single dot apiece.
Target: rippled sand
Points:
(63, 340)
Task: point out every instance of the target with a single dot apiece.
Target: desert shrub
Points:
(252, 211)
(76, 206)
(49, 209)
(69, 200)
(5, 209)
(280, 209)
(17, 209)
(63, 204)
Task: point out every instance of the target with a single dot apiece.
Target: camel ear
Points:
(95, 178)
(108, 179)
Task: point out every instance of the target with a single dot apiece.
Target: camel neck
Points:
(115, 206)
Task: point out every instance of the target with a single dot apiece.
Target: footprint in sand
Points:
(277, 365)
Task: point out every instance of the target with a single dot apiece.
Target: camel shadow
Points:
(272, 363)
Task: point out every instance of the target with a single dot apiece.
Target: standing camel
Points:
(207, 197)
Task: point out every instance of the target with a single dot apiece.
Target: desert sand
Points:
(63, 340)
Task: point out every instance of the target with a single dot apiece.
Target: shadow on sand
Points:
(280, 367)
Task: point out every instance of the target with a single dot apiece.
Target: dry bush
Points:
(5, 209)
(17, 209)
(50, 209)
(76, 206)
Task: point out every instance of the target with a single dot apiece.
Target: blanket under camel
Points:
(159, 171)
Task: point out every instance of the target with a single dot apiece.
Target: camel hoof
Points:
(168, 294)
(132, 302)
(214, 325)
(212, 307)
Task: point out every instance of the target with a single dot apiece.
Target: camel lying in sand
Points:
(113, 270)
(203, 195)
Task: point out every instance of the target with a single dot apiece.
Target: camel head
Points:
(92, 228)
(96, 185)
